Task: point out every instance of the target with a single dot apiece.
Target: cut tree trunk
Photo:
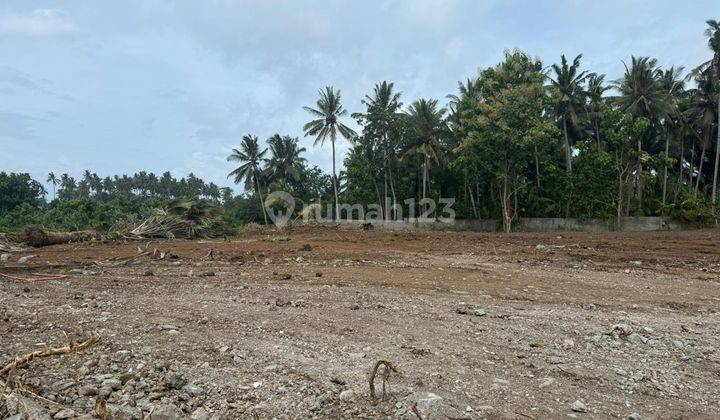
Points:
(37, 237)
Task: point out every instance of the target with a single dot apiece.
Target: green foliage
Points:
(17, 189)
(690, 209)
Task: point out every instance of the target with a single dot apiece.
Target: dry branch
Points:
(37, 277)
(385, 375)
(23, 360)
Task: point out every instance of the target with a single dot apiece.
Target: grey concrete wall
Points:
(527, 224)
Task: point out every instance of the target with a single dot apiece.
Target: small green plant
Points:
(276, 238)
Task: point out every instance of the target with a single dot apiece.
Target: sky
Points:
(123, 86)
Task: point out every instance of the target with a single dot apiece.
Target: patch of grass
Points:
(276, 238)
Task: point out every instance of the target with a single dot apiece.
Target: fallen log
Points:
(37, 237)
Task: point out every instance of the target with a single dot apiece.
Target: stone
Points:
(568, 344)
(65, 413)
(634, 416)
(465, 309)
(165, 412)
(578, 407)
(546, 382)
(112, 383)
(23, 260)
(429, 405)
(193, 390)
(200, 414)
(149, 272)
(174, 380)
(87, 391)
(17, 404)
(621, 330)
(347, 395)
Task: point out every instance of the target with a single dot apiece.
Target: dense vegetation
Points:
(518, 139)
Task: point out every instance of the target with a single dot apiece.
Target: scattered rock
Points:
(23, 260)
(282, 302)
(347, 395)
(634, 416)
(174, 380)
(466, 309)
(306, 247)
(165, 412)
(578, 407)
(65, 413)
(286, 276)
(318, 274)
(621, 331)
(149, 272)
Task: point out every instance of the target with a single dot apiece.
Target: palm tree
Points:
(52, 179)
(712, 68)
(641, 94)
(568, 91)
(329, 110)
(285, 163)
(596, 88)
(381, 127)
(673, 84)
(249, 171)
(702, 112)
(427, 128)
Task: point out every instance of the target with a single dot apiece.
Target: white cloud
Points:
(39, 22)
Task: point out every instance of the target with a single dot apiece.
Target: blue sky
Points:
(123, 86)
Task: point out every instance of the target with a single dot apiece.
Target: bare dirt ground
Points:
(515, 326)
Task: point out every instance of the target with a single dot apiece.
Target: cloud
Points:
(39, 22)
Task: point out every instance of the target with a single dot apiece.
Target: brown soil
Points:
(499, 326)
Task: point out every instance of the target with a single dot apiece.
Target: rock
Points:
(23, 260)
(112, 383)
(165, 412)
(286, 276)
(87, 391)
(578, 407)
(318, 274)
(174, 380)
(306, 247)
(208, 273)
(4, 257)
(65, 413)
(546, 382)
(621, 330)
(149, 272)
(200, 414)
(432, 406)
(26, 407)
(499, 383)
(193, 390)
(465, 309)
(568, 344)
(347, 395)
(634, 416)
(282, 302)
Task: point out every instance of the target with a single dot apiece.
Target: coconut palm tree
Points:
(52, 179)
(328, 111)
(712, 70)
(250, 156)
(285, 163)
(641, 94)
(595, 90)
(427, 127)
(567, 89)
(702, 111)
(673, 84)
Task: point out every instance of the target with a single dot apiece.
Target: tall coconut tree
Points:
(594, 92)
(702, 112)
(641, 94)
(427, 126)
(711, 68)
(285, 163)
(566, 87)
(251, 157)
(53, 180)
(328, 111)
(672, 82)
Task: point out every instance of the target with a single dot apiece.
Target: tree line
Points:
(524, 139)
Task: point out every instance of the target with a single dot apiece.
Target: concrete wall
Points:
(531, 224)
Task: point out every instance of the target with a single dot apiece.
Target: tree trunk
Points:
(385, 192)
(717, 158)
(377, 192)
(665, 175)
(639, 184)
(335, 186)
(568, 152)
(700, 165)
(425, 180)
(507, 219)
(392, 214)
(262, 200)
(680, 177)
(537, 166)
(472, 201)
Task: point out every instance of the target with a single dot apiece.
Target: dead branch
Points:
(38, 277)
(101, 408)
(23, 360)
(385, 375)
(416, 412)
